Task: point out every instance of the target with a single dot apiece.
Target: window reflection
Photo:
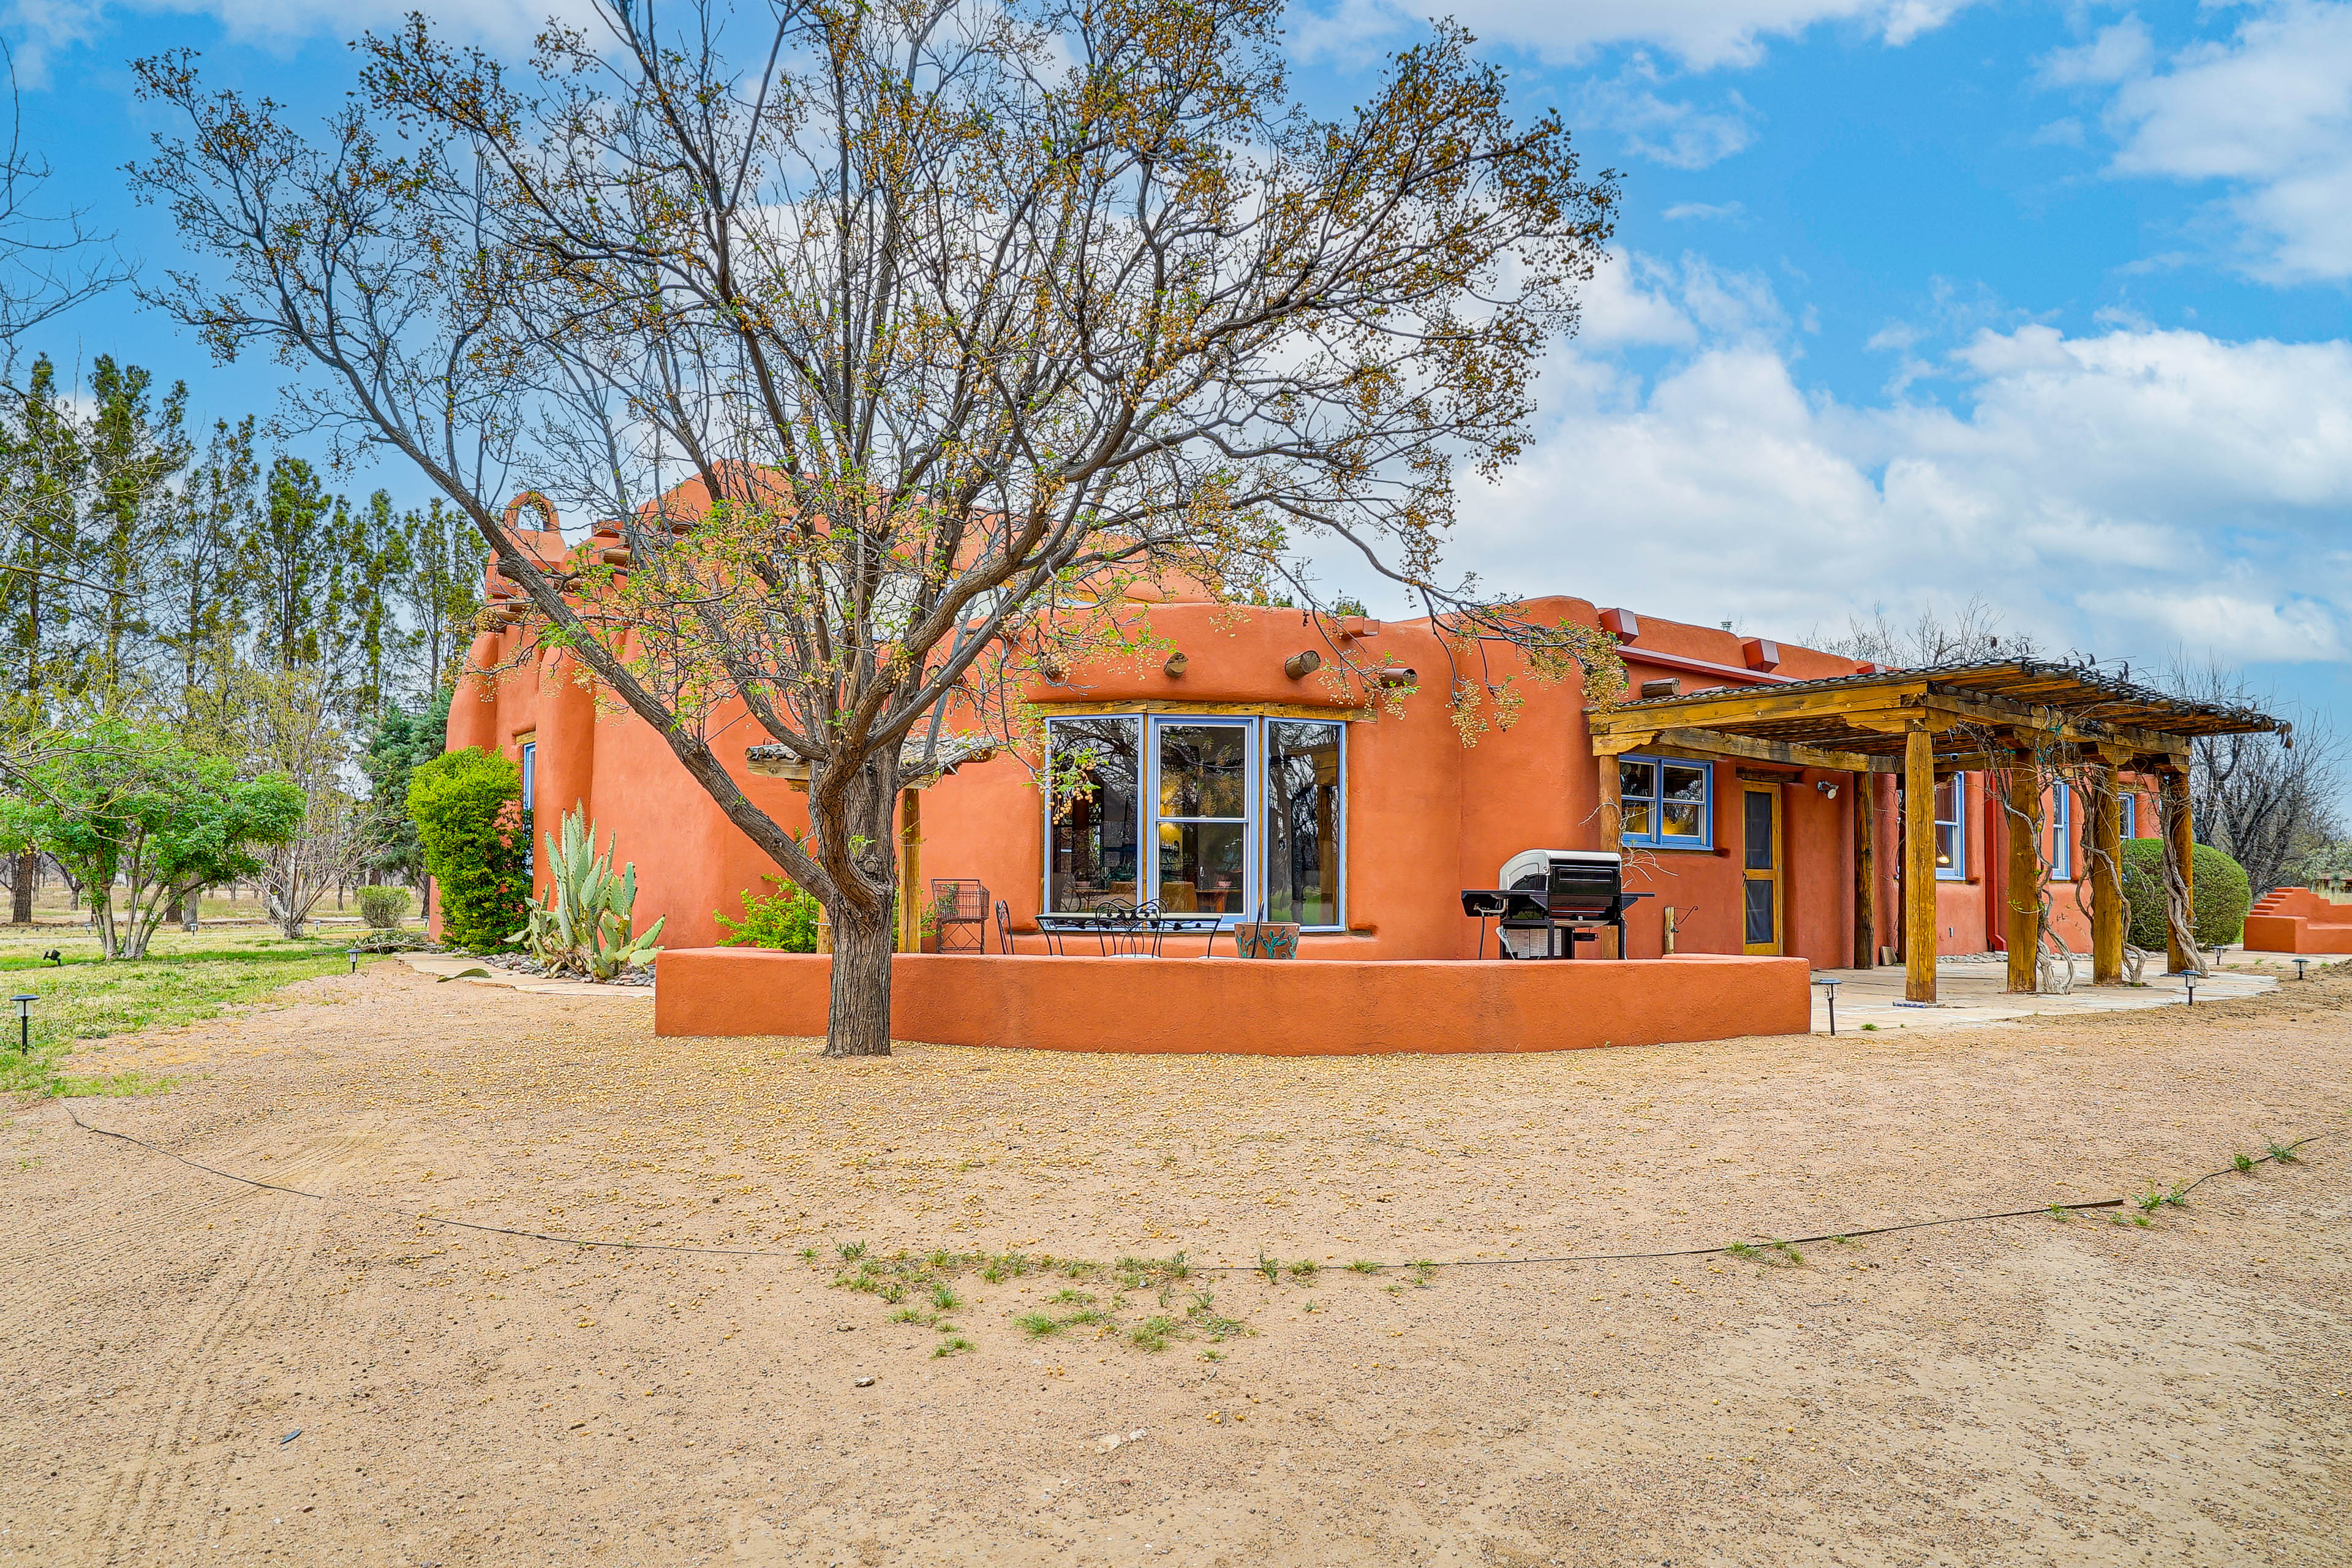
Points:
(1094, 849)
(1202, 769)
(1302, 823)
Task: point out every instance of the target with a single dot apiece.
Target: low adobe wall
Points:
(1197, 1006)
(2296, 920)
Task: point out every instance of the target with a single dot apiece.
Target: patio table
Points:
(1127, 931)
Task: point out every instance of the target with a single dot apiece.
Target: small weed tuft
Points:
(1744, 1252)
(954, 1345)
(1037, 1325)
(1152, 1334)
(1305, 1269)
(1270, 1268)
(2283, 1153)
(2242, 1161)
(851, 1251)
(1363, 1266)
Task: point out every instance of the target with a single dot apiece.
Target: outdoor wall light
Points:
(1829, 984)
(1827, 788)
(24, 1000)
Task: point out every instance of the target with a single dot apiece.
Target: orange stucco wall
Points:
(1225, 1004)
(1426, 816)
(2296, 920)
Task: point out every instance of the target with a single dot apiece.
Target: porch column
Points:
(1866, 870)
(1611, 812)
(2106, 855)
(1919, 865)
(2021, 817)
(2179, 874)
(910, 870)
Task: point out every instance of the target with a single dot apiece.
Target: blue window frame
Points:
(1667, 803)
(2131, 804)
(531, 798)
(2061, 834)
(1951, 829)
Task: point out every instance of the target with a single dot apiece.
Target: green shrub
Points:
(784, 919)
(2221, 895)
(383, 908)
(475, 836)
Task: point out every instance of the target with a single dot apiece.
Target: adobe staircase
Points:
(2296, 920)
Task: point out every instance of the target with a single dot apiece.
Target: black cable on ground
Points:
(2279, 1152)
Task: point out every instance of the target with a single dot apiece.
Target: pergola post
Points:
(1612, 811)
(910, 870)
(2023, 819)
(1865, 871)
(1918, 863)
(2179, 874)
(2106, 857)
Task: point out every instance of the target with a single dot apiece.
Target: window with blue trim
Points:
(2061, 834)
(1951, 837)
(1666, 803)
(2131, 804)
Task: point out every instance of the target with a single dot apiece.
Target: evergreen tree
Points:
(376, 551)
(134, 447)
(399, 744)
(441, 590)
(291, 564)
(200, 589)
(46, 464)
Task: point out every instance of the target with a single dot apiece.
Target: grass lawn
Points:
(85, 998)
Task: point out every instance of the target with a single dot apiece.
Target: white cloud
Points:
(1699, 33)
(2268, 111)
(1680, 134)
(2126, 492)
(1681, 211)
(47, 27)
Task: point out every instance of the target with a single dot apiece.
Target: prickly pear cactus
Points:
(585, 926)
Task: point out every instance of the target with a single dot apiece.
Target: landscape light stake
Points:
(2299, 974)
(2189, 977)
(354, 955)
(24, 1000)
(1829, 987)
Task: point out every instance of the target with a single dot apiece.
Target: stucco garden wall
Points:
(1173, 1005)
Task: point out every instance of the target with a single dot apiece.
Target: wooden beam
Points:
(2021, 817)
(1710, 743)
(2105, 850)
(2049, 722)
(1164, 705)
(1710, 709)
(1866, 870)
(1920, 866)
(2181, 861)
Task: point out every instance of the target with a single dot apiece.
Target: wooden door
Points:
(1760, 867)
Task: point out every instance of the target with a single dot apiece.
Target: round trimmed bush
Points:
(2219, 899)
(383, 908)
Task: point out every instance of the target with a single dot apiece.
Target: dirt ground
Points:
(194, 1371)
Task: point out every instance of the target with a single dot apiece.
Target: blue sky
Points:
(1913, 300)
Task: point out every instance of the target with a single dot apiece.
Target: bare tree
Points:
(1933, 637)
(893, 339)
(329, 848)
(49, 260)
(2265, 800)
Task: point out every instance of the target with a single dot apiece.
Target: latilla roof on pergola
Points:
(1972, 712)
(2019, 716)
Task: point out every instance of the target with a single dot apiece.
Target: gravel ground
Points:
(198, 1371)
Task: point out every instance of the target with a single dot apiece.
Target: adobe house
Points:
(1772, 799)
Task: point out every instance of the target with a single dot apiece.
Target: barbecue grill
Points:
(1552, 900)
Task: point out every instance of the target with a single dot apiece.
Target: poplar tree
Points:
(441, 590)
(134, 447)
(199, 604)
(289, 564)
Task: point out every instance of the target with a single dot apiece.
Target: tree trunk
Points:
(188, 908)
(858, 1024)
(28, 871)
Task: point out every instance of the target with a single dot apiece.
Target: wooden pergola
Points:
(2020, 719)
